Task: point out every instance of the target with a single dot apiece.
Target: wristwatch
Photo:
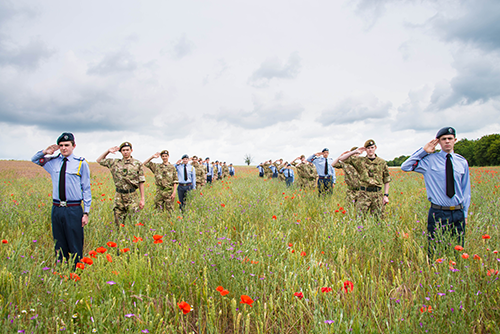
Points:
(86, 213)
(386, 195)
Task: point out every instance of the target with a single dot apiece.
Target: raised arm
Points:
(112, 150)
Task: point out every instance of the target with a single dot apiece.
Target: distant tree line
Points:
(484, 151)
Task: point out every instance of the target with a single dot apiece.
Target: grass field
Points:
(303, 264)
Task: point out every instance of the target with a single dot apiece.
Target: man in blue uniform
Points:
(446, 176)
(210, 170)
(288, 174)
(261, 170)
(70, 186)
(324, 168)
(231, 170)
(187, 179)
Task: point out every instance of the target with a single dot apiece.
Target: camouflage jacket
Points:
(201, 173)
(225, 170)
(372, 173)
(351, 177)
(165, 175)
(127, 174)
(305, 171)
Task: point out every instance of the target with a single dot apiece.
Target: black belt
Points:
(370, 189)
(353, 188)
(123, 191)
(447, 208)
(59, 203)
(185, 184)
(325, 177)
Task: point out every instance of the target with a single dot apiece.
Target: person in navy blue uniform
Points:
(187, 179)
(446, 176)
(231, 170)
(261, 170)
(288, 174)
(70, 187)
(210, 170)
(325, 170)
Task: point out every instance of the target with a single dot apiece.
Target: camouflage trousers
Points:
(351, 196)
(125, 204)
(163, 199)
(372, 202)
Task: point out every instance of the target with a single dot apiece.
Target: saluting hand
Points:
(430, 147)
(156, 155)
(51, 149)
(113, 149)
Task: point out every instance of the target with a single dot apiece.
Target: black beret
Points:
(66, 136)
(125, 144)
(446, 131)
(185, 156)
(325, 150)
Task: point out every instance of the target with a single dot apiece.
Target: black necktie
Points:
(185, 172)
(326, 166)
(450, 179)
(62, 181)
(208, 169)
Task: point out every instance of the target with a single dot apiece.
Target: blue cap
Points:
(446, 131)
(185, 156)
(66, 136)
(325, 150)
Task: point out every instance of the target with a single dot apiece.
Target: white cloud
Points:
(275, 68)
(355, 109)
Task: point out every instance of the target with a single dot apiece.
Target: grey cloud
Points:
(9, 11)
(181, 47)
(478, 25)
(261, 116)
(274, 68)
(114, 63)
(370, 10)
(25, 57)
(354, 109)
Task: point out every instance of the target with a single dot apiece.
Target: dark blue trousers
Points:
(68, 232)
(182, 192)
(209, 179)
(325, 186)
(445, 223)
(289, 181)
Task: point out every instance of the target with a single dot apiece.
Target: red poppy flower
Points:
(139, 224)
(111, 244)
(109, 258)
(74, 277)
(477, 257)
(453, 263)
(246, 300)
(80, 265)
(492, 272)
(185, 307)
(303, 254)
(87, 260)
(439, 260)
(219, 288)
(299, 295)
(324, 290)
(486, 236)
(293, 250)
(93, 254)
(137, 239)
(224, 292)
(4, 241)
(159, 241)
(178, 202)
(124, 250)
(348, 285)
(101, 250)
(157, 236)
(223, 205)
(290, 245)
(274, 217)
(465, 255)
(459, 248)
(495, 252)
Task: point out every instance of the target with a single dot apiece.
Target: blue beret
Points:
(325, 150)
(66, 136)
(207, 158)
(446, 131)
(185, 156)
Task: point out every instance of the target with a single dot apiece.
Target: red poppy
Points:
(303, 254)
(324, 290)
(459, 248)
(111, 244)
(109, 258)
(137, 239)
(465, 255)
(4, 241)
(101, 250)
(139, 224)
(477, 257)
(274, 217)
(453, 263)
(439, 260)
(80, 265)
(159, 241)
(223, 205)
(219, 288)
(486, 236)
(74, 277)
(492, 272)
(124, 250)
(185, 307)
(93, 254)
(224, 292)
(178, 202)
(299, 295)
(246, 300)
(157, 236)
(87, 260)
(495, 252)
(348, 285)
(290, 245)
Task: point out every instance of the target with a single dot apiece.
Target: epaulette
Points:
(81, 159)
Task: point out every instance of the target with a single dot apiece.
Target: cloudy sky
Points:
(226, 78)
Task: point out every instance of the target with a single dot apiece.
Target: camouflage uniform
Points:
(201, 174)
(373, 174)
(165, 178)
(306, 175)
(281, 176)
(127, 175)
(268, 173)
(351, 178)
(225, 171)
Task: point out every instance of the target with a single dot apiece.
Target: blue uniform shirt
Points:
(191, 174)
(219, 170)
(274, 169)
(319, 163)
(231, 170)
(77, 177)
(433, 167)
(288, 172)
(261, 169)
(210, 169)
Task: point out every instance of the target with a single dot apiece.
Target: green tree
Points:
(482, 155)
(465, 148)
(248, 159)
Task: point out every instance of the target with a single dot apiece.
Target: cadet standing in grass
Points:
(231, 170)
(128, 177)
(209, 170)
(288, 174)
(351, 177)
(187, 179)
(446, 176)
(165, 179)
(70, 186)
(326, 173)
(200, 172)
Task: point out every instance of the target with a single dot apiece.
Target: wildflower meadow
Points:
(248, 256)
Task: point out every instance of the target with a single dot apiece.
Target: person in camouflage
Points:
(200, 170)
(165, 179)
(279, 166)
(373, 177)
(351, 177)
(128, 176)
(306, 173)
(268, 173)
(225, 170)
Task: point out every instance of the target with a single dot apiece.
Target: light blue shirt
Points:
(319, 163)
(231, 170)
(288, 172)
(210, 169)
(261, 169)
(219, 169)
(433, 167)
(191, 174)
(274, 169)
(77, 186)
